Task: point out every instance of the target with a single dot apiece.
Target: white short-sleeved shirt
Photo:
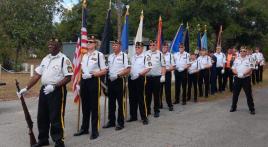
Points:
(139, 63)
(93, 62)
(195, 67)
(242, 64)
(169, 60)
(204, 61)
(117, 63)
(259, 58)
(221, 59)
(181, 60)
(158, 61)
(53, 69)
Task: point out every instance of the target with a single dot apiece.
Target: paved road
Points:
(206, 124)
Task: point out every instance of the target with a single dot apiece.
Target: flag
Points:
(106, 35)
(204, 41)
(84, 28)
(178, 39)
(124, 36)
(199, 40)
(138, 37)
(187, 39)
(76, 68)
(159, 39)
(219, 37)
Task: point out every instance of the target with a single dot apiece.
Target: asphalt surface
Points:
(204, 124)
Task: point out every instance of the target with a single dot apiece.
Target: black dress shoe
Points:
(156, 114)
(131, 120)
(145, 122)
(119, 127)
(41, 143)
(81, 132)
(176, 102)
(108, 125)
(161, 107)
(170, 108)
(183, 103)
(252, 112)
(149, 113)
(94, 135)
(59, 144)
(232, 110)
(195, 100)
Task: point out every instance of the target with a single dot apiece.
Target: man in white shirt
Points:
(220, 66)
(55, 72)
(242, 69)
(140, 65)
(182, 63)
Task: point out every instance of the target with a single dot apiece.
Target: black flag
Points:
(106, 35)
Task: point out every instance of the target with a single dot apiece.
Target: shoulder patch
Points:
(70, 69)
(68, 62)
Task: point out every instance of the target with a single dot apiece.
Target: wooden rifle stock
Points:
(27, 117)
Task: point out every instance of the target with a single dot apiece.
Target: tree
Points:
(27, 24)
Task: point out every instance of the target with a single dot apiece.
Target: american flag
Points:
(81, 48)
(76, 66)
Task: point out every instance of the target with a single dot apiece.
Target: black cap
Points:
(139, 44)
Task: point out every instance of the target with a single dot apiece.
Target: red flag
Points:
(159, 34)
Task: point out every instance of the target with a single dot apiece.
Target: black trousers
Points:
(260, 72)
(180, 81)
(254, 76)
(137, 97)
(192, 81)
(219, 78)
(213, 80)
(116, 93)
(244, 83)
(90, 97)
(167, 87)
(228, 76)
(152, 88)
(50, 113)
(203, 78)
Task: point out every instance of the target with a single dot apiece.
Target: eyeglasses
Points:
(90, 42)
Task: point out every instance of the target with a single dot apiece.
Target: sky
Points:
(68, 4)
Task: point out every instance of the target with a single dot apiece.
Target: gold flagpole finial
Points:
(84, 3)
(160, 18)
(110, 4)
(142, 14)
(187, 25)
(198, 27)
(205, 28)
(127, 6)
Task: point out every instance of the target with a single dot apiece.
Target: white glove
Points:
(240, 75)
(22, 92)
(162, 79)
(86, 76)
(113, 77)
(257, 67)
(222, 71)
(48, 89)
(134, 76)
(77, 87)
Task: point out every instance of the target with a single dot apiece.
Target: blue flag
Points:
(178, 39)
(204, 41)
(124, 36)
(199, 40)
(187, 40)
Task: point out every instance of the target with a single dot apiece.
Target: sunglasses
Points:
(137, 46)
(90, 42)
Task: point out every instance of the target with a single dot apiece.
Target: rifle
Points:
(27, 117)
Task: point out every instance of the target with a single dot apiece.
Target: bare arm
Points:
(144, 72)
(64, 81)
(100, 73)
(163, 71)
(124, 72)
